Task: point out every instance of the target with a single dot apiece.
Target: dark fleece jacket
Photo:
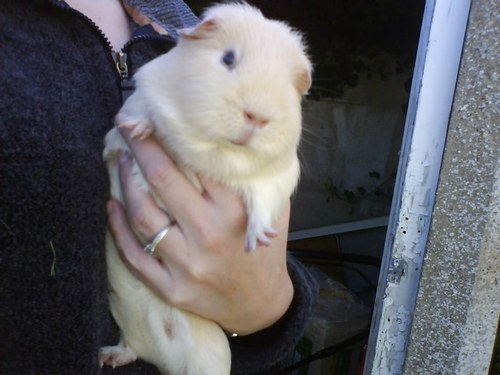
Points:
(59, 91)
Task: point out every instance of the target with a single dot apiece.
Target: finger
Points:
(149, 219)
(220, 195)
(154, 273)
(226, 202)
(283, 221)
(145, 216)
(173, 188)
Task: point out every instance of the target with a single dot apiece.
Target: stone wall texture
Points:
(458, 302)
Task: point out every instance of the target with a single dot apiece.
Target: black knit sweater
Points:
(59, 90)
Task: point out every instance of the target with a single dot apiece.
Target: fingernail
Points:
(124, 157)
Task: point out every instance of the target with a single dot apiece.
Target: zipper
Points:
(121, 64)
(120, 58)
(66, 8)
(117, 58)
(61, 5)
(126, 84)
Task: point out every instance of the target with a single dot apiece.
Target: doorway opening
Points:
(354, 118)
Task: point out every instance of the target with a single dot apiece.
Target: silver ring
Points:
(151, 247)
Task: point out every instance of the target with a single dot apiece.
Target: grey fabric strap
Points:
(172, 15)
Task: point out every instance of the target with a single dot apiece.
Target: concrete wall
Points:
(458, 302)
(349, 143)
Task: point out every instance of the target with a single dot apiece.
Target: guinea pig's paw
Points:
(258, 233)
(117, 355)
(114, 145)
(141, 128)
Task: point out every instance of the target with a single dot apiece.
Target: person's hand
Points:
(201, 265)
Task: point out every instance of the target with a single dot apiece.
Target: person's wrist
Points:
(271, 310)
(258, 352)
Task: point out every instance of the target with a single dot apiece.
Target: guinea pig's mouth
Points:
(244, 139)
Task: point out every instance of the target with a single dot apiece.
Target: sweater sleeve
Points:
(264, 350)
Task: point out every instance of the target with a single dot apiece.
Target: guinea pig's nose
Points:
(255, 120)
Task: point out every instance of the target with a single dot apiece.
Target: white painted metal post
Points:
(436, 70)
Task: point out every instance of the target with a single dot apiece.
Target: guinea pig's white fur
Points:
(224, 103)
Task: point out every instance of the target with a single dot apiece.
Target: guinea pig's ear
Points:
(303, 80)
(200, 31)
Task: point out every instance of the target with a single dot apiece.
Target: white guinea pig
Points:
(224, 103)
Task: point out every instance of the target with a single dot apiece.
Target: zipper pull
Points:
(126, 84)
(121, 64)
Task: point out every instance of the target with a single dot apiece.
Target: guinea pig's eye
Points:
(229, 59)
